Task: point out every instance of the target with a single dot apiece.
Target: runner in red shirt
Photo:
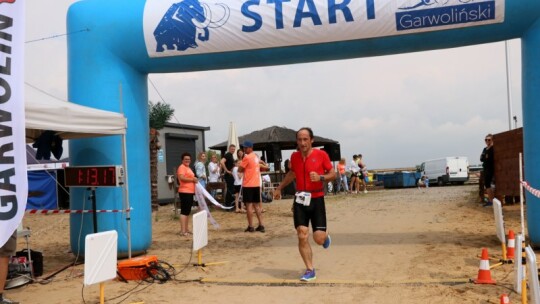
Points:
(311, 168)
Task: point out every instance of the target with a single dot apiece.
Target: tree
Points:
(159, 113)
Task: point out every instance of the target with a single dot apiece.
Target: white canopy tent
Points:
(72, 121)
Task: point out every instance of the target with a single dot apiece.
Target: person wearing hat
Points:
(251, 186)
(311, 168)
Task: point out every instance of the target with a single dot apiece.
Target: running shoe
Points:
(327, 242)
(260, 228)
(8, 301)
(308, 276)
(249, 229)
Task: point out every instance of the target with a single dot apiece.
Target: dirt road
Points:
(389, 246)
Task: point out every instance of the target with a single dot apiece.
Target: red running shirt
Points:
(317, 161)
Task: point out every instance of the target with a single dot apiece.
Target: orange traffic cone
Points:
(484, 273)
(510, 254)
(505, 299)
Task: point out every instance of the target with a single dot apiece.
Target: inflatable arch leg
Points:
(531, 125)
(95, 75)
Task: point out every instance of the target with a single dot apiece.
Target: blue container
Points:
(402, 179)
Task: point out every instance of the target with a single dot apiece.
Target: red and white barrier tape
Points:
(44, 211)
(533, 191)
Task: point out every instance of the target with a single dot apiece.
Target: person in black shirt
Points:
(227, 163)
(489, 167)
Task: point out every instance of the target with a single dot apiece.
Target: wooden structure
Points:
(507, 146)
(220, 188)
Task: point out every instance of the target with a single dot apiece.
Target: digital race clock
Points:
(94, 176)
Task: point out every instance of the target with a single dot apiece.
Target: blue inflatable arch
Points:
(127, 39)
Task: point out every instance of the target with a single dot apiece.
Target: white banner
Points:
(186, 27)
(13, 179)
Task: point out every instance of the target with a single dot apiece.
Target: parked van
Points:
(446, 170)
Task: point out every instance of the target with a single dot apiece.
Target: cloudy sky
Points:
(395, 110)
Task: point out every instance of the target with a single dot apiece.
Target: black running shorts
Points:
(186, 202)
(251, 195)
(315, 212)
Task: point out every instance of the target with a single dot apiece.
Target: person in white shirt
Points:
(353, 186)
(237, 187)
(213, 172)
(362, 173)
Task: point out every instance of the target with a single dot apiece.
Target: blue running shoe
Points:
(308, 276)
(327, 242)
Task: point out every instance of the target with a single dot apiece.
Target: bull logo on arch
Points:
(186, 22)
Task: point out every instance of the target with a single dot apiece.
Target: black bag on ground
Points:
(37, 260)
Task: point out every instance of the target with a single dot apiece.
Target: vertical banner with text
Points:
(13, 179)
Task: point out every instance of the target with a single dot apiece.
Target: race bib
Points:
(303, 198)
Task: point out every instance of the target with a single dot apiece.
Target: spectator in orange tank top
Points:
(186, 190)
(251, 187)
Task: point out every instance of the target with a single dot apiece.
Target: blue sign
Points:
(446, 15)
(160, 156)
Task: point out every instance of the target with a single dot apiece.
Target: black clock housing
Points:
(94, 176)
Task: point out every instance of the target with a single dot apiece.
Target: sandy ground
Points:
(389, 246)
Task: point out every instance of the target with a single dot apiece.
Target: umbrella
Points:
(233, 138)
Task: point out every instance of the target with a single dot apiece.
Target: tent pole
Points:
(126, 195)
(126, 204)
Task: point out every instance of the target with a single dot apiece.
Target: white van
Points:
(446, 170)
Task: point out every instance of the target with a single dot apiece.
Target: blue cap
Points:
(248, 144)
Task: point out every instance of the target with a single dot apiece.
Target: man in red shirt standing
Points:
(311, 168)
(251, 186)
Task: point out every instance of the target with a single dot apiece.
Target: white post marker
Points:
(533, 275)
(521, 196)
(200, 237)
(518, 265)
(200, 230)
(100, 257)
(200, 234)
(499, 225)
